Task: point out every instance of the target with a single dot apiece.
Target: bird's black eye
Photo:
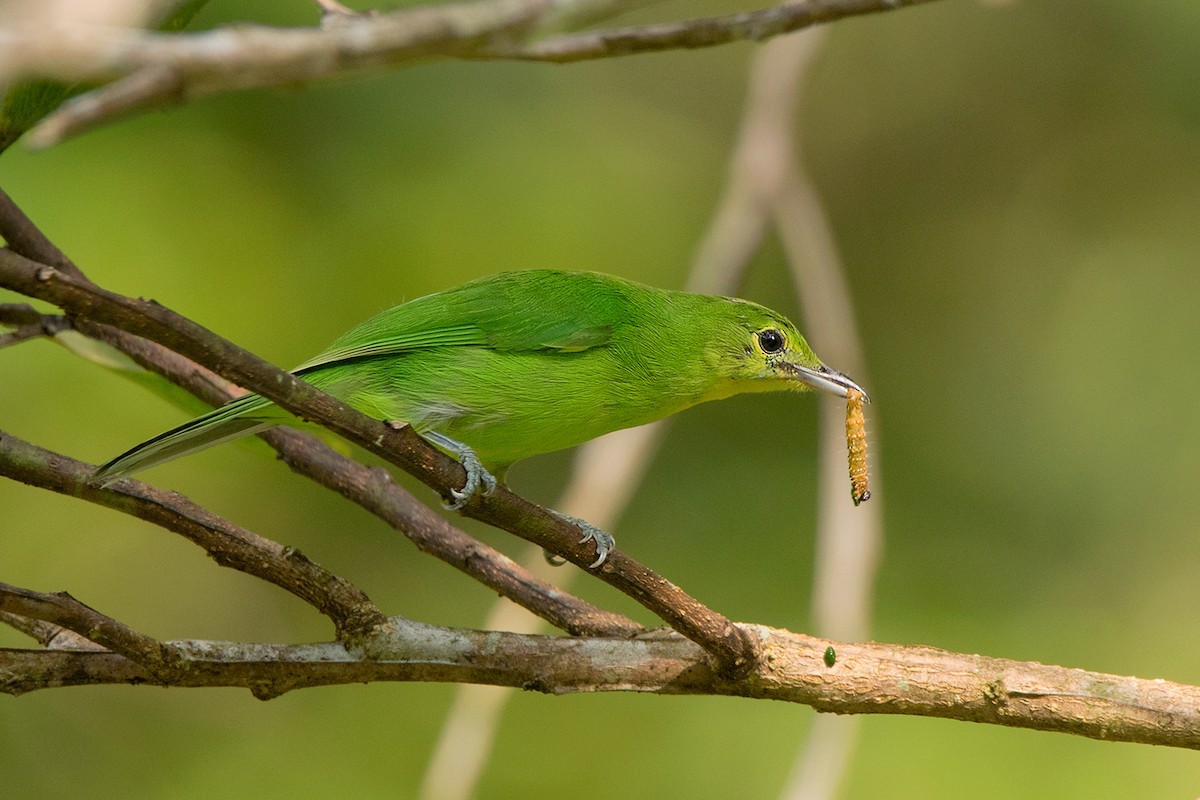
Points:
(771, 341)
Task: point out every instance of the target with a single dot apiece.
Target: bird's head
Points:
(761, 351)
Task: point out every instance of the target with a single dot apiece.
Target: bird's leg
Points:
(478, 478)
(603, 539)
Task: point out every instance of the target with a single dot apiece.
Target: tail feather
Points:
(237, 418)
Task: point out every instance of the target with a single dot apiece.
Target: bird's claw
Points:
(479, 480)
(605, 543)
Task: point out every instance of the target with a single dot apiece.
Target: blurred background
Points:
(1014, 191)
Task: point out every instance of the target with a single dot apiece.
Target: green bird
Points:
(522, 363)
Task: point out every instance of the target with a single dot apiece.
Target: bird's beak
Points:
(827, 380)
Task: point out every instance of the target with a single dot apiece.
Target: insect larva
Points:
(856, 446)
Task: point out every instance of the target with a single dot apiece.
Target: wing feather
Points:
(519, 311)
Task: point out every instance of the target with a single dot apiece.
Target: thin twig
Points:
(25, 238)
(372, 489)
(47, 634)
(229, 545)
(375, 491)
(145, 70)
(403, 447)
(182, 66)
(65, 611)
(148, 89)
(22, 334)
(758, 26)
(30, 324)
(18, 314)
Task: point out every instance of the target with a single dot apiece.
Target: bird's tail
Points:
(237, 418)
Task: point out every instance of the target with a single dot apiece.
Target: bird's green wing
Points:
(392, 344)
(513, 312)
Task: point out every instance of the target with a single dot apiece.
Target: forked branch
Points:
(143, 70)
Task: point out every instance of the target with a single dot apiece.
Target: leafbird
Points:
(521, 363)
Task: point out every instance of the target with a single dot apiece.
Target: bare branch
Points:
(25, 238)
(229, 545)
(18, 314)
(30, 324)
(147, 70)
(148, 89)
(403, 447)
(159, 69)
(865, 678)
(65, 611)
(757, 26)
(47, 634)
(377, 492)
(374, 490)
(22, 334)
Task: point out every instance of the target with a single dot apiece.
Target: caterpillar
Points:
(856, 447)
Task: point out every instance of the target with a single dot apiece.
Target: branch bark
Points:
(374, 490)
(757, 26)
(864, 679)
(60, 609)
(81, 299)
(351, 611)
(146, 70)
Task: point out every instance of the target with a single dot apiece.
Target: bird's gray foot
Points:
(603, 539)
(479, 480)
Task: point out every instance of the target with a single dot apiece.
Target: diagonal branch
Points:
(404, 448)
(23, 237)
(60, 609)
(351, 610)
(375, 491)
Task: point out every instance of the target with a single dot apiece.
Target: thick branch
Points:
(865, 678)
(229, 545)
(405, 449)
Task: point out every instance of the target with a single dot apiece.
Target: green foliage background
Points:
(1014, 190)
